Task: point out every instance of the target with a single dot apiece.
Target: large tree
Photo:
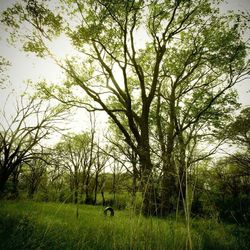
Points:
(131, 50)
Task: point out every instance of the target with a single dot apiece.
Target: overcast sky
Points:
(29, 67)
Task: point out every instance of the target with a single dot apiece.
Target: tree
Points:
(124, 159)
(183, 40)
(238, 131)
(74, 154)
(21, 137)
(188, 138)
(101, 160)
(226, 180)
(229, 191)
(33, 174)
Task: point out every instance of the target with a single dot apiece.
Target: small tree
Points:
(101, 160)
(73, 152)
(33, 174)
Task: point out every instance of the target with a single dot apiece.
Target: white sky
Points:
(29, 67)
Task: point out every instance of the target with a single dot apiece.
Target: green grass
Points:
(33, 225)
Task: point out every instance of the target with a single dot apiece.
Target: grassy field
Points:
(33, 225)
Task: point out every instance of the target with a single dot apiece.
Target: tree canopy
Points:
(167, 65)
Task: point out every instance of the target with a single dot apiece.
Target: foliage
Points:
(3, 65)
(238, 131)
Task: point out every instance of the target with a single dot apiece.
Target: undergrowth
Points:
(33, 225)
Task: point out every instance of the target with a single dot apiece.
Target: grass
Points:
(34, 225)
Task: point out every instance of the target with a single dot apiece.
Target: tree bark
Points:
(147, 181)
(168, 191)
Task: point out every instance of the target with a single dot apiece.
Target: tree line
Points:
(167, 97)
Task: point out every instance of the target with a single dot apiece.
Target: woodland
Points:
(174, 148)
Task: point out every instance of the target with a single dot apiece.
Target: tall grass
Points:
(33, 225)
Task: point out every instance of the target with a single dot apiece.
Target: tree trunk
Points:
(114, 183)
(88, 199)
(5, 174)
(3, 179)
(168, 192)
(103, 198)
(149, 204)
(134, 184)
(147, 183)
(182, 169)
(76, 187)
(95, 188)
(15, 181)
(31, 188)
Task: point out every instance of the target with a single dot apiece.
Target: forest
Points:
(170, 152)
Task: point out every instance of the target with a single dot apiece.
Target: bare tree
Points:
(21, 137)
(35, 171)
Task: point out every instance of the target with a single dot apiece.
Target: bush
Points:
(20, 231)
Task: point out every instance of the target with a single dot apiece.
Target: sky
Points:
(26, 67)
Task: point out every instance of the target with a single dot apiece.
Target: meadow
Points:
(40, 225)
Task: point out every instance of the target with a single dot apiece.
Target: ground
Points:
(36, 225)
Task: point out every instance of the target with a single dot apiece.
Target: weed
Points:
(33, 225)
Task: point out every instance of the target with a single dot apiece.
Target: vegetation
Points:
(21, 135)
(30, 225)
(171, 107)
